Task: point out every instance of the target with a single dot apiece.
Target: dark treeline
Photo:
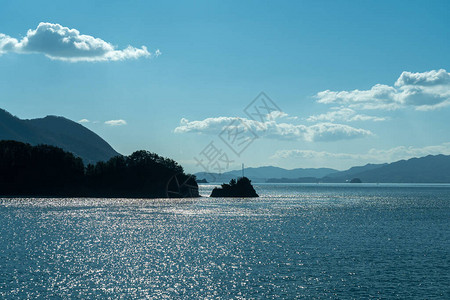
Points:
(44, 170)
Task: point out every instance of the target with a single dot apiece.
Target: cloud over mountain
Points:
(274, 130)
(116, 122)
(373, 155)
(62, 43)
(421, 91)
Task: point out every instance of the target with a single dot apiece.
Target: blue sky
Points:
(334, 68)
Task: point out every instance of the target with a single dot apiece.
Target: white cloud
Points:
(310, 154)
(343, 115)
(7, 43)
(378, 97)
(272, 129)
(84, 121)
(334, 132)
(429, 78)
(116, 122)
(62, 43)
(422, 91)
(373, 155)
(207, 126)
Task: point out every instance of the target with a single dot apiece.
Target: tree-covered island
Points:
(241, 188)
(49, 171)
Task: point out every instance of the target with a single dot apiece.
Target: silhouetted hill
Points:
(294, 180)
(59, 132)
(261, 174)
(354, 170)
(428, 169)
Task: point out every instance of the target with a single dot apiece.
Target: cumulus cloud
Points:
(433, 77)
(116, 122)
(7, 43)
(274, 130)
(84, 121)
(343, 115)
(373, 155)
(378, 97)
(422, 91)
(334, 132)
(207, 126)
(62, 43)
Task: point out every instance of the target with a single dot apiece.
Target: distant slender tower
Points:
(242, 170)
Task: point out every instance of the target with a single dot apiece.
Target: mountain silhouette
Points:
(428, 169)
(354, 170)
(59, 132)
(261, 174)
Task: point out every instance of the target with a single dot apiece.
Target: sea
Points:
(296, 241)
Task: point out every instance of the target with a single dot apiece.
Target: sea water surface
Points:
(315, 241)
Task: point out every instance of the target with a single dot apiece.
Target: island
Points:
(241, 188)
(202, 180)
(356, 180)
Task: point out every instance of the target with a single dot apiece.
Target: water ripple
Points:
(294, 242)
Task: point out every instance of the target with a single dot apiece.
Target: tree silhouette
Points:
(240, 188)
(49, 171)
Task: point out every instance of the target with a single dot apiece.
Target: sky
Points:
(214, 84)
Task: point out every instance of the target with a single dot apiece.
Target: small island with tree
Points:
(356, 180)
(241, 188)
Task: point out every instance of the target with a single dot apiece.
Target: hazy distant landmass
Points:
(59, 132)
(261, 174)
(353, 171)
(428, 169)
(294, 180)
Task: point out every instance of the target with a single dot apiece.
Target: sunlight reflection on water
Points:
(294, 241)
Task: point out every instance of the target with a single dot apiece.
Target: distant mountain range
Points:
(77, 139)
(262, 174)
(59, 132)
(428, 169)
